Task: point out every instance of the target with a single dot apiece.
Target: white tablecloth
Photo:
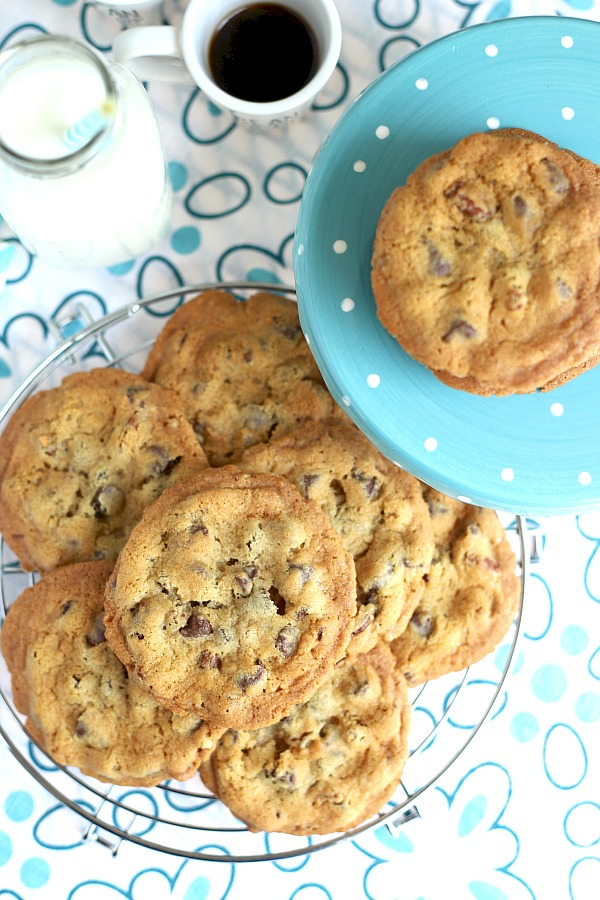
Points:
(518, 815)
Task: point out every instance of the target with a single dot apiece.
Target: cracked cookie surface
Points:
(233, 598)
(79, 702)
(80, 462)
(377, 509)
(328, 765)
(243, 370)
(471, 595)
(486, 264)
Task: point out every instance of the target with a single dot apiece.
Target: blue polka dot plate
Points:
(532, 455)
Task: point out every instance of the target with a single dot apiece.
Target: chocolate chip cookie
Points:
(486, 265)
(330, 764)
(471, 595)
(377, 508)
(79, 702)
(80, 462)
(233, 598)
(243, 370)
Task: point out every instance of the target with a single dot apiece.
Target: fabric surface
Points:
(518, 814)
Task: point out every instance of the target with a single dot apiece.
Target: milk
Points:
(103, 204)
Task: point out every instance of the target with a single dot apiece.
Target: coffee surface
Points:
(263, 53)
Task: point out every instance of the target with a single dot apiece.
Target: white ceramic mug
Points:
(131, 13)
(181, 54)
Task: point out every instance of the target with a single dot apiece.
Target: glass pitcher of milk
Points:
(83, 178)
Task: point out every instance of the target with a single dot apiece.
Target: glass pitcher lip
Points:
(72, 159)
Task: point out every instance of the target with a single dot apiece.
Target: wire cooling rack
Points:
(185, 819)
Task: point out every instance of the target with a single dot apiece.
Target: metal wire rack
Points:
(184, 819)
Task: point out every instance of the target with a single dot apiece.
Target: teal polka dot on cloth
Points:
(587, 707)
(574, 639)
(35, 872)
(524, 727)
(186, 239)
(5, 848)
(549, 683)
(18, 806)
(178, 175)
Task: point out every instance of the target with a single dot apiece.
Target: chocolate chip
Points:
(165, 463)
(198, 527)
(438, 266)
(305, 483)
(80, 729)
(363, 625)
(66, 607)
(246, 680)
(436, 508)
(244, 583)
(460, 328)
(96, 634)
(422, 623)
(287, 641)
(291, 332)
(557, 178)
(277, 599)
(371, 485)
(209, 660)
(107, 501)
(132, 392)
(519, 206)
(256, 418)
(305, 573)
(196, 626)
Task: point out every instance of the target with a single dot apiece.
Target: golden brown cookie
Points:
(377, 508)
(330, 764)
(80, 462)
(242, 369)
(471, 595)
(486, 265)
(233, 598)
(79, 702)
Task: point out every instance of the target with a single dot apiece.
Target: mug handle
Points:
(152, 52)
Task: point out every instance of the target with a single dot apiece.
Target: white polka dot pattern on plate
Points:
(300, 249)
(346, 400)
(378, 380)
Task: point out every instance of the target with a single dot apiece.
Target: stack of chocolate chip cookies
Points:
(234, 581)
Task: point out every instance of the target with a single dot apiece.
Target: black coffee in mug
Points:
(263, 52)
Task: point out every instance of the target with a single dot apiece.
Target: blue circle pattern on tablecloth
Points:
(484, 808)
